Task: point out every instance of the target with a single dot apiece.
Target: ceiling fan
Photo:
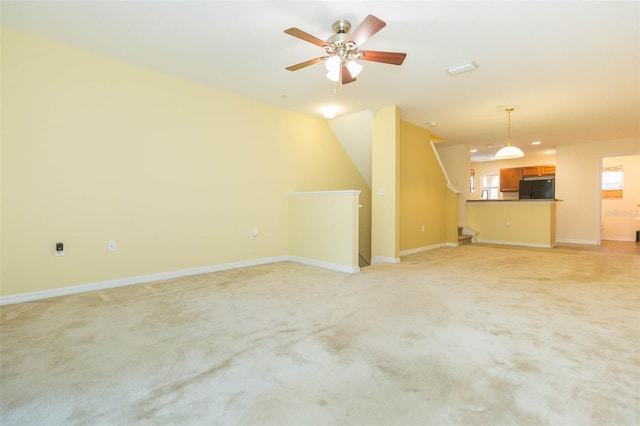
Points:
(342, 49)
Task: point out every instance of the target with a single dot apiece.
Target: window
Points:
(472, 180)
(612, 182)
(490, 184)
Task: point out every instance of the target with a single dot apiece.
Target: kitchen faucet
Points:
(482, 194)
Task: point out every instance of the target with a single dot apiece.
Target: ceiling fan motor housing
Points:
(338, 45)
(341, 26)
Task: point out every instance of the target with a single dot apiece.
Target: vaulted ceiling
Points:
(569, 68)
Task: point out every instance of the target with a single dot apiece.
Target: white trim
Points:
(516, 243)
(453, 188)
(381, 259)
(444, 172)
(326, 265)
(316, 193)
(617, 239)
(120, 282)
(515, 201)
(425, 248)
(571, 241)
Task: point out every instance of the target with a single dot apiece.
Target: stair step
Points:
(464, 239)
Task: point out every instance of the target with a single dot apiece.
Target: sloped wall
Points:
(178, 174)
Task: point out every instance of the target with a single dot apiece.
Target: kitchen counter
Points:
(512, 201)
(514, 222)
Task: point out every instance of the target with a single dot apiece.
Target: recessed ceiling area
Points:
(570, 69)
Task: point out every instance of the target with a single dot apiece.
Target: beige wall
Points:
(177, 173)
(424, 201)
(618, 218)
(578, 179)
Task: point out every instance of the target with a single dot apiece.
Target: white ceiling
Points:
(569, 68)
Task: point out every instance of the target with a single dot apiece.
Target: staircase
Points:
(463, 238)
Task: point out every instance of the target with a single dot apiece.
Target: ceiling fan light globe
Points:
(508, 152)
(334, 75)
(354, 68)
(333, 64)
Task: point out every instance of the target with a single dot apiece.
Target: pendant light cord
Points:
(509, 125)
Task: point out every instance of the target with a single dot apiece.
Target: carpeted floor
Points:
(474, 335)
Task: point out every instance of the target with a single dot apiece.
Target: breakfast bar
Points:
(514, 222)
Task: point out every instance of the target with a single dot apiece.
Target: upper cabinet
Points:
(510, 177)
(539, 170)
(547, 170)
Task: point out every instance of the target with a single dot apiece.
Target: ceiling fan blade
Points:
(346, 75)
(296, 67)
(394, 58)
(306, 37)
(366, 29)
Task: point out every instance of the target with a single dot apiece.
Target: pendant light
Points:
(509, 151)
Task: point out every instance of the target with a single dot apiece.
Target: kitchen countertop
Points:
(536, 200)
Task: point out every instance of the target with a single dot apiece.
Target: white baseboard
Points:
(326, 265)
(618, 238)
(383, 259)
(515, 243)
(120, 282)
(570, 241)
(425, 248)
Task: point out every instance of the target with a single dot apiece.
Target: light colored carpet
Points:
(468, 335)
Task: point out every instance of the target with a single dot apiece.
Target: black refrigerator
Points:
(543, 189)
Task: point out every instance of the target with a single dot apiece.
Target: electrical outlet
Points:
(111, 245)
(59, 249)
(254, 234)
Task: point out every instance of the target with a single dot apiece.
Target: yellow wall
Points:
(424, 198)
(385, 134)
(323, 229)
(531, 223)
(177, 173)
(452, 214)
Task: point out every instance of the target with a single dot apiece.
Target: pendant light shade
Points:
(509, 151)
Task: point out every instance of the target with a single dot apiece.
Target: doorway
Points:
(620, 198)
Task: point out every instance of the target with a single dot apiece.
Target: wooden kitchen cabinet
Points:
(547, 170)
(539, 170)
(531, 171)
(510, 179)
